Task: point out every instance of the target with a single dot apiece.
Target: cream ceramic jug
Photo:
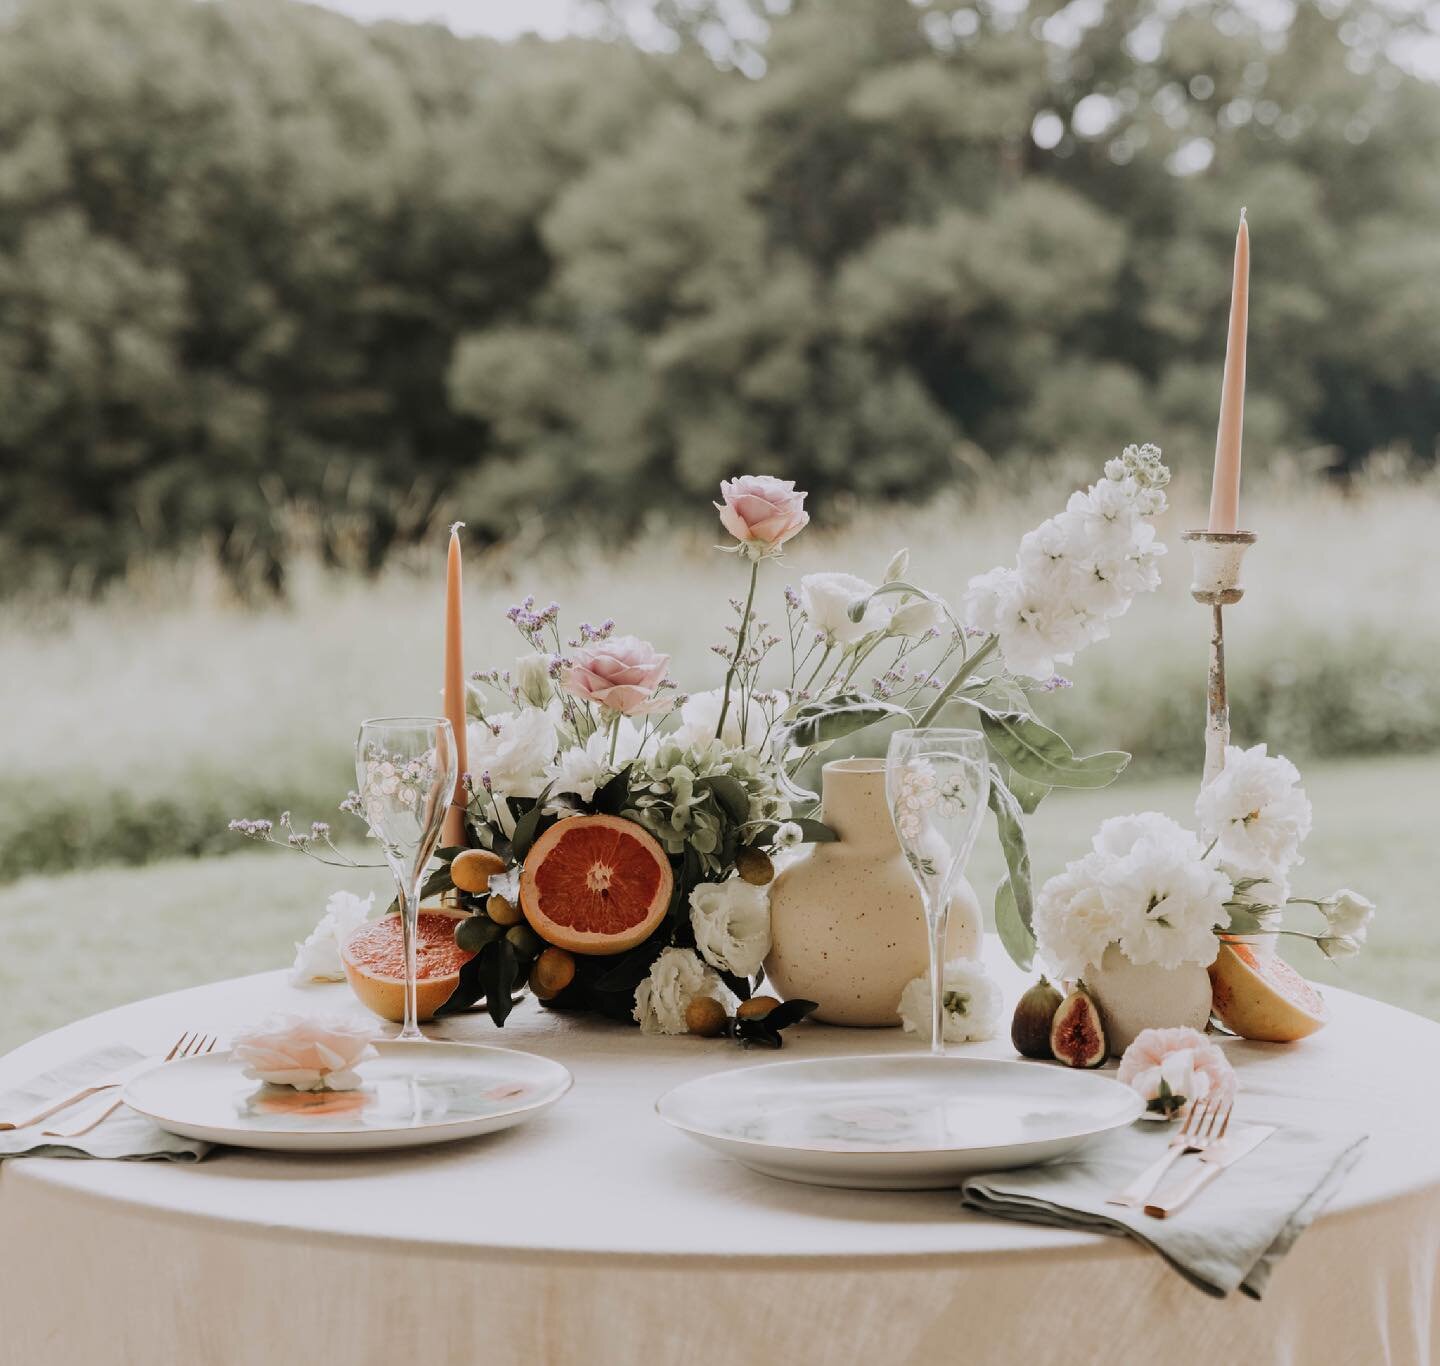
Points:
(847, 923)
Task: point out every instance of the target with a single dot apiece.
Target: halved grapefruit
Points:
(1262, 997)
(374, 958)
(595, 884)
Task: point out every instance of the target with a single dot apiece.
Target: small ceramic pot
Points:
(846, 919)
(1132, 998)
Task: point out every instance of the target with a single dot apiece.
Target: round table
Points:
(597, 1235)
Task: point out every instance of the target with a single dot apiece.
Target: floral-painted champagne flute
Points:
(937, 784)
(406, 769)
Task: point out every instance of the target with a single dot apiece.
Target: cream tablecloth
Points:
(596, 1235)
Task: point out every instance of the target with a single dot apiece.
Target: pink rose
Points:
(1171, 1068)
(621, 674)
(761, 511)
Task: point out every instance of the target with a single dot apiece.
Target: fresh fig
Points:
(1077, 1037)
(1035, 1013)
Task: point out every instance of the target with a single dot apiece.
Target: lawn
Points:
(77, 943)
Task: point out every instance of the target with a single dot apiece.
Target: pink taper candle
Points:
(1225, 491)
(453, 831)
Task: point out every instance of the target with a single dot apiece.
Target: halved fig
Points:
(1077, 1037)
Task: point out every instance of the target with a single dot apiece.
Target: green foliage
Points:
(263, 269)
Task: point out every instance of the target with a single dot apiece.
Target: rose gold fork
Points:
(187, 1046)
(1204, 1124)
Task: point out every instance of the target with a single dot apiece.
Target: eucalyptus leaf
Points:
(1016, 892)
(1018, 941)
(819, 723)
(1036, 752)
(1029, 794)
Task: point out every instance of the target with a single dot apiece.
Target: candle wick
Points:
(455, 526)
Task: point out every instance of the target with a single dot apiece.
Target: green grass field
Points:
(81, 942)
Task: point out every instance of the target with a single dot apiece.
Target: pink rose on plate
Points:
(308, 1052)
(1172, 1068)
(621, 674)
(762, 512)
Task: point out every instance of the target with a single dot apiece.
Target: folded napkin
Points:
(1229, 1236)
(123, 1134)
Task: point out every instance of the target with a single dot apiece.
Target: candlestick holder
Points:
(1217, 558)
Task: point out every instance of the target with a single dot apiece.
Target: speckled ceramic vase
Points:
(1132, 998)
(847, 922)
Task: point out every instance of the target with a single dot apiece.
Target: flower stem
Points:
(968, 667)
(739, 648)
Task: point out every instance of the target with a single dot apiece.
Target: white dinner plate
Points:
(896, 1122)
(413, 1093)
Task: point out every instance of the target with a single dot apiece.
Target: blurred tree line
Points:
(257, 258)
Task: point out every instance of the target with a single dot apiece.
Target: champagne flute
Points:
(406, 769)
(937, 784)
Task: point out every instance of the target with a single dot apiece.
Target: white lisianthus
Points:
(1349, 914)
(1256, 810)
(514, 749)
(583, 768)
(318, 958)
(1338, 946)
(676, 978)
(1074, 923)
(731, 921)
(700, 716)
(917, 617)
(531, 678)
(972, 1003)
(827, 598)
(1170, 902)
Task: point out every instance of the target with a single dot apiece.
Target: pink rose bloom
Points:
(620, 674)
(1170, 1068)
(761, 511)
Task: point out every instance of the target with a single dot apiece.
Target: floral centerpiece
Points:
(622, 833)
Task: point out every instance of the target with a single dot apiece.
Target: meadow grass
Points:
(77, 943)
(135, 727)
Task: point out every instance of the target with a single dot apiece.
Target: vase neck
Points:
(852, 802)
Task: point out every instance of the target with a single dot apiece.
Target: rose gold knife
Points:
(1213, 1161)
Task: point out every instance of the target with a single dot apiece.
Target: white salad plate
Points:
(412, 1094)
(896, 1122)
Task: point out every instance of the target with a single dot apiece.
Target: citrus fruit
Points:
(554, 970)
(472, 870)
(374, 958)
(705, 1016)
(501, 911)
(756, 1008)
(595, 884)
(1263, 997)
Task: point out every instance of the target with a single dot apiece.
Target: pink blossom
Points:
(1170, 1068)
(761, 511)
(621, 674)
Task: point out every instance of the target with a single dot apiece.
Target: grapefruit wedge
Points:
(1263, 997)
(374, 958)
(595, 885)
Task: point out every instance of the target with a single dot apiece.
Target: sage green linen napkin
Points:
(1229, 1237)
(124, 1134)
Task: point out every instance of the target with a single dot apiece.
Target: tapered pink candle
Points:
(453, 830)
(1225, 491)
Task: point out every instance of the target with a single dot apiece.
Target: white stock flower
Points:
(971, 999)
(583, 768)
(700, 715)
(676, 978)
(1074, 923)
(514, 748)
(310, 1053)
(318, 958)
(1170, 901)
(827, 598)
(1349, 914)
(731, 921)
(1257, 810)
(1037, 630)
(1117, 836)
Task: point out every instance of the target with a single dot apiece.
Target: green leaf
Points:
(628, 971)
(819, 723)
(528, 827)
(816, 832)
(438, 881)
(611, 798)
(499, 970)
(731, 796)
(1014, 898)
(790, 1012)
(467, 990)
(1029, 794)
(1036, 752)
(856, 610)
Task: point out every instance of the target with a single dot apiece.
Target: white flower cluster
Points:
(1145, 885)
(318, 958)
(676, 978)
(972, 1003)
(1077, 571)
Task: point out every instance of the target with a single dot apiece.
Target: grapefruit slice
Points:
(595, 884)
(374, 958)
(1263, 997)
